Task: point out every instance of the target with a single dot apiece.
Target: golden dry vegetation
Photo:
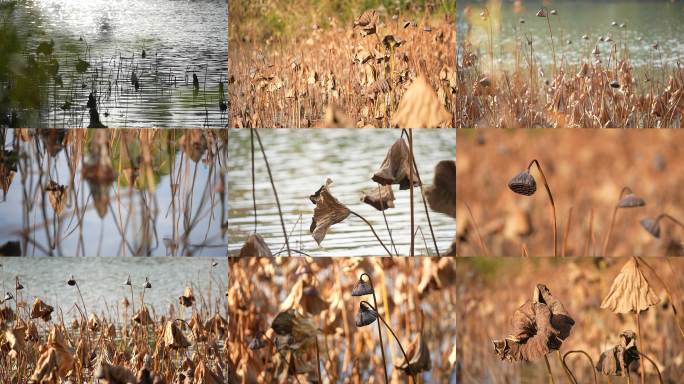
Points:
(590, 174)
(308, 320)
(385, 68)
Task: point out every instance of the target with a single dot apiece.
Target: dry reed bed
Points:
(493, 289)
(120, 168)
(287, 314)
(130, 343)
(603, 90)
(348, 76)
(586, 171)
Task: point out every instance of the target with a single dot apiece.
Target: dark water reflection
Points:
(87, 192)
(58, 52)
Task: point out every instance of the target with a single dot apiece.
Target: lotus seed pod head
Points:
(631, 200)
(365, 316)
(71, 282)
(554, 12)
(541, 13)
(651, 226)
(362, 288)
(523, 183)
(614, 84)
(128, 281)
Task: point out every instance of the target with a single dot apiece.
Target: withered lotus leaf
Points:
(420, 107)
(300, 330)
(328, 211)
(174, 337)
(630, 291)
(395, 167)
(616, 361)
(143, 316)
(255, 246)
(114, 374)
(419, 357)
(539, 327)
(335, 117)
(15, 338)
(441, 195)
(46, 369)
(40, 310)
(216, 324)
(205, 375)
(93, 323)
(57, 195)
(305, 297)
(188, 298)
(379, 198)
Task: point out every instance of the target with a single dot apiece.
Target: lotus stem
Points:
(384, 217)
(660, 377)
(410, 137)
(553, 48)
(564, 247)
(408, 364)
(82, 301)
(483, 247)
(666, 216)
(548, 369)
(641, 347)
(382, 348)
(667, 291)
(612, 221)
(591, 361)
(372, 230)
(568, 373)
(318, 360)
(251, 142)
(553, 205)
(275, 192)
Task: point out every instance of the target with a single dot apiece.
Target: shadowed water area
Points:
(112, 192)
(101, 282)
(302, 160)
(631, 25)
(57, 53)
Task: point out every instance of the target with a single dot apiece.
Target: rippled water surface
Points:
(180, 39)
(101, 281)
(302, 159)
(113, 192)
(645, 22)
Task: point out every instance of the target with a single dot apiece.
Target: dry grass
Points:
(493, 289)
(334, 76)
(586, 170)
(415, 296)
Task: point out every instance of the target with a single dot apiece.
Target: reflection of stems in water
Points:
(373, 230)
(275, 192)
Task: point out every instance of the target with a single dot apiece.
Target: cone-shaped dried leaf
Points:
(630, 292)
(365, 316)
(205, 375)
(395, 167)
(255, 246)
(419, 357)
(631, 201)
(40, 310)
(143, 316)
(187, 299)
(441, 195)
(560, 319)
(46, 369)
(523, 183)
(16, 339)
(379, 198)
(420, 107)
(174, 337)
(328, 211)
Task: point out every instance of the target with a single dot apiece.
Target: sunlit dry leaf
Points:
(616, 361)
(40, 310)
(441, 195)
(174, 337)
(630, 291)
(187, 299)
(420, 108)
(419, 357)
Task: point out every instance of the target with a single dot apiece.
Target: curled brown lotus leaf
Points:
(335, 117)
(40, 310)
(93, 323)
(367, 22)
(65, 360)
(305, 297)
(419, 357)
(174, 337)
(395, 168)
(46, 368)
(255, 246)
(55, 362)
(205, 375)
(617, 360)
(538, 327)
(630, 291)
(436, 274)
(114, 374)
(299, 331)
(379, 198)
(441, 195)
(198, 332)
(216, 325)
(188, 298)
(143, 316)
(420, 107)
(16, 340)
(328, 211)
(57, 195)
(194, 144)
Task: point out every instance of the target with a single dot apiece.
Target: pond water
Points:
(101, 281)
(302, 159)
(180, 38)
(113, 192)
(644, 24)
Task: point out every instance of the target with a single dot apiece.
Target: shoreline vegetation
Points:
(342, 64)
(602, 89)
